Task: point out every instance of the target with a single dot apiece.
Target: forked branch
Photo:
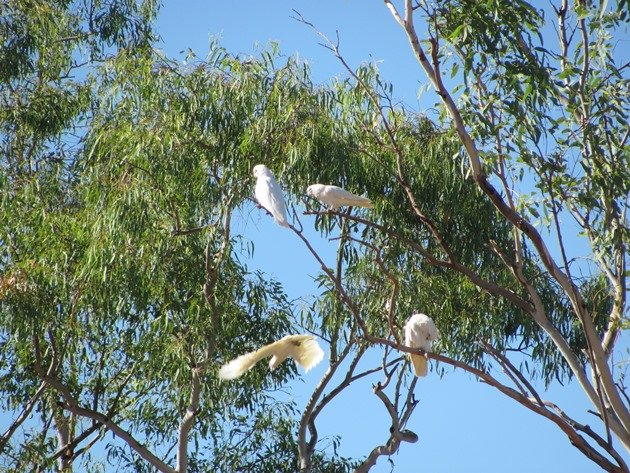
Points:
(598, 359)
(398, 433)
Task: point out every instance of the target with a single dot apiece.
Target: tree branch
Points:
(95, 425)
(188, 420)
(306, 449)
(71, 404)
(531, 404)
(76, 441)
(64, 437)
(606, 446)
(579, 307)
(510, 368)
(26, 411)
(397, 435)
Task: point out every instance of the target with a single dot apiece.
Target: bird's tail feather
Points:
(309, 355)
(420, 365)
(237, 366)
(358, 201)
(280, 220)
(365, 202)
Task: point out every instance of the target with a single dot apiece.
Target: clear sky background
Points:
(463, 425)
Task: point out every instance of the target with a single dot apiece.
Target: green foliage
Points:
(560, 112)
(89, 267)
(117, 186)
(552, 115)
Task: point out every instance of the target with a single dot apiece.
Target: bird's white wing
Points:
(412, 333)
(414, 339)
(420, 331)
(343, 197)
(243, 363)
(270, 196)
(305, 350)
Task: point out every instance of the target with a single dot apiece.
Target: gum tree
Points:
(114, 311)
(531, 106)
(123, 285)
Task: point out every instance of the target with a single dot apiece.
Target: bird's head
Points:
(313, 190)
(261, 170)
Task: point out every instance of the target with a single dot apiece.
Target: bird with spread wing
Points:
(269, 194)
(336, 197)
(420, 332)
(304, 349)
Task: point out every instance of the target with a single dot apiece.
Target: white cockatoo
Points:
(302, 348)
(269, 194)
(420, 331)
(335, 197)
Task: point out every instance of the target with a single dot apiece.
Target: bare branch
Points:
(349, 379)
(531, 404)
(306, 449)
(187, 421)
(71, 404)
(607, 446)
(599, 359)
(26, 411)
(397, 434)
(510, 368)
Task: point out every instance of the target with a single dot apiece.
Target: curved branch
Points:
(591, 433)
(22, 417)
(95, 425)
(306, 449)
(71, 404)
(598, 360)
(187, 421)
(397, 435)
(530, 403)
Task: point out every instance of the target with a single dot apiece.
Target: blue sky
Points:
(463, 425)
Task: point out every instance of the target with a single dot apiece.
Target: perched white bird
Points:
(335, 196)
(303, 348)
(269, 194)
(420, 331)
